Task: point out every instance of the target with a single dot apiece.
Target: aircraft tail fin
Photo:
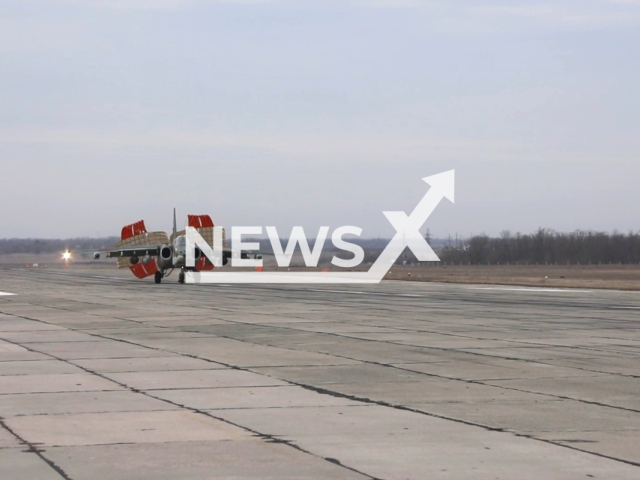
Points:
(175, 227)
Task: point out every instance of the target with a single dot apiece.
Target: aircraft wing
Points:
(137, 251)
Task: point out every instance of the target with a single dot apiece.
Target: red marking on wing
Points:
(200, 221)
(132, 230)
(140, 270)
(203, 264)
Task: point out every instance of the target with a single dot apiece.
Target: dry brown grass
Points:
(617, 277)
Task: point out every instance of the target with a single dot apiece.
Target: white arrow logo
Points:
(407, 227)
(407, 235)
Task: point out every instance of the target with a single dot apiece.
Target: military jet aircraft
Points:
(155, 253)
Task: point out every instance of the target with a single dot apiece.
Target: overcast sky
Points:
(318, 113)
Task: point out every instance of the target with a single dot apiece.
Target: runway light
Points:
(66, 255)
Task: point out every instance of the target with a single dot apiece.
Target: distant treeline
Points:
(546, 246)
(38, 245)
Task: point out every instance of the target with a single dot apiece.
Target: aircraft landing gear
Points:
(158, 277)
(181, 277)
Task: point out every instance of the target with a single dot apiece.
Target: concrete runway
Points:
(103, 376)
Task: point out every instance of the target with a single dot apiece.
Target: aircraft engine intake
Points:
(96, 256)
(166, 257)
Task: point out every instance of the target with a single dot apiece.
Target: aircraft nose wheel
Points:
(181, 277)
(158, 277)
